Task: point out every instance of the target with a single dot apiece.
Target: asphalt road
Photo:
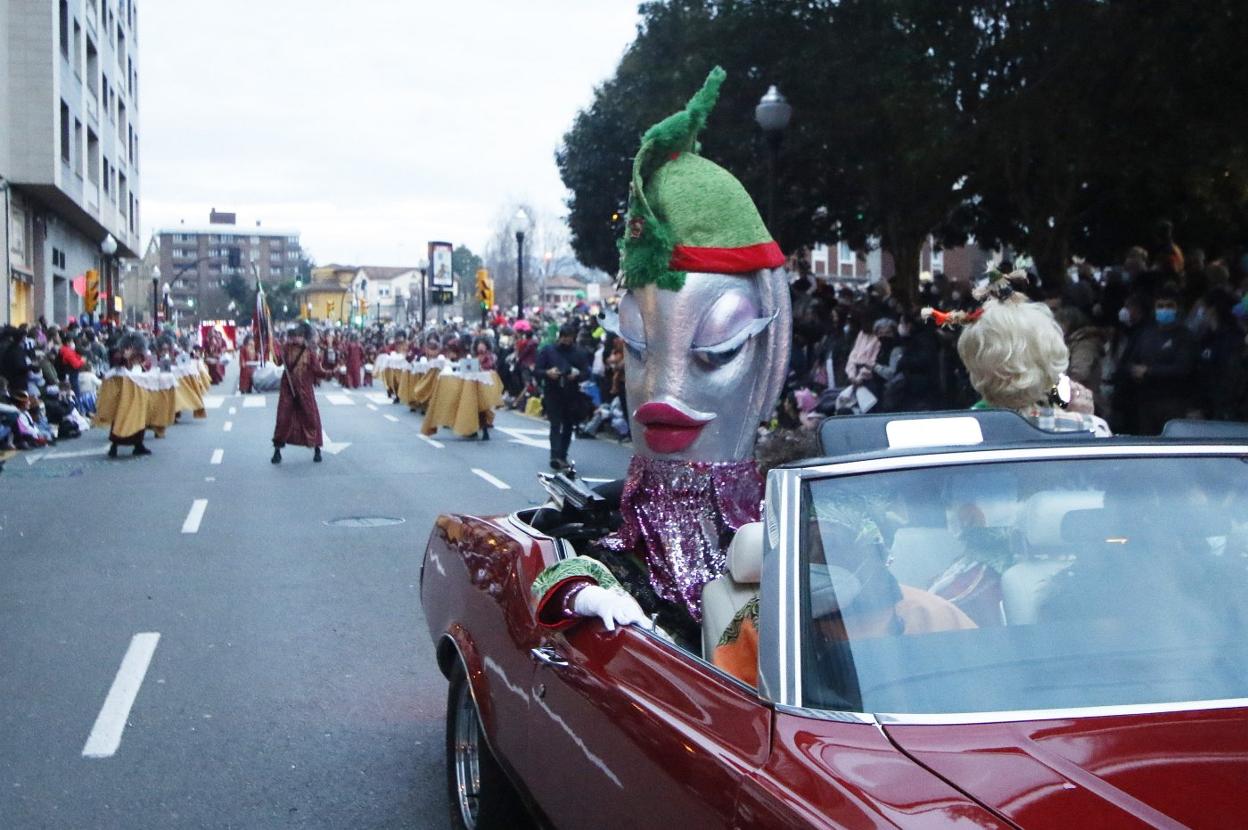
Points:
(292, 683)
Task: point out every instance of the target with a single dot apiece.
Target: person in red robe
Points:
(249, 355)
(298, 418)
(214, 348)
(355, 362)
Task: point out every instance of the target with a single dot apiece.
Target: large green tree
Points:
(1054, 127)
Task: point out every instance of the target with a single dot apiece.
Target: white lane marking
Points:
(31, 458)
(254, 402)
(392, 418)
(191, 525)
(217, 455)
(527, 437)
(75, 453)
(437, 445)
(371, 407)
(502, 485)
(227, 426)
(329, 446)
(597, 480)
(339, 399)
(378, 397)
(105, 735)
(213, 401)
(233, 410)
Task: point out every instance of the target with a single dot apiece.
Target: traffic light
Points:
(483, 283)
(91, 297)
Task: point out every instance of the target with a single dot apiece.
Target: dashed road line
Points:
(392, 418)
(217, 455)
(502, 485)
(372, 407)
(191, 525)
(227, 426)
(233, 410)
(437, 445)
(105, 737)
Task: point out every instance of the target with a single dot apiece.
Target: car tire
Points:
(480, 795)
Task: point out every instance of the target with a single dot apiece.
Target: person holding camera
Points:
(561, 367)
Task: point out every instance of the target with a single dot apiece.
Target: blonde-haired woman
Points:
(1016, 356)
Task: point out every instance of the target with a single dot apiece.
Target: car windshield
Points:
(1025, 586)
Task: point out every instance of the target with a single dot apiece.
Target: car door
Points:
(627, 730)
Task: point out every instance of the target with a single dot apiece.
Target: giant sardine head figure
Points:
(706, 319)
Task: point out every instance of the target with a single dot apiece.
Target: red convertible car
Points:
(1096, 676)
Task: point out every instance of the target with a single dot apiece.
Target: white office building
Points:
(69, 151)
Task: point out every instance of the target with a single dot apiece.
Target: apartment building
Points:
(195, 262)
(69, 151)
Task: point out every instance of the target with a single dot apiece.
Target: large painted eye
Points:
(725, 329)
(632, 328)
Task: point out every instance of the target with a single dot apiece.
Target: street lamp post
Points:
(155, 294)
(423, 271)
(772, 114)
(522, 222)
(108, 247)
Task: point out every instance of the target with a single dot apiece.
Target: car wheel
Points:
(481, 797)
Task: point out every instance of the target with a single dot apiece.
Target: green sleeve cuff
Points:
(577, 566)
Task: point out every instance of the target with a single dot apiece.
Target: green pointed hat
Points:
(686, 213)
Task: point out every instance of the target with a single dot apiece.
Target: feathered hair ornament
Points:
(1002, 287)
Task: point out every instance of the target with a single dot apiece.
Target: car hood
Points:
(1141, 770)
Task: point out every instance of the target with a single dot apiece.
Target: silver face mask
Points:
(705, 365)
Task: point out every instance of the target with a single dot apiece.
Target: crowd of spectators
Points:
(1160, 337)
(49, 375)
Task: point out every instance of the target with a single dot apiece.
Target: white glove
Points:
(612, 607)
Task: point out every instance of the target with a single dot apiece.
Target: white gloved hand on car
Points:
(612, 607)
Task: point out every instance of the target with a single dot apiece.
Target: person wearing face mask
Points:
(1220, 361)
(919, 366)
(561, 367)
(1162, 365)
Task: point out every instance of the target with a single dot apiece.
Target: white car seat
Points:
(920, 554)
(1025, 585)
(723, 596)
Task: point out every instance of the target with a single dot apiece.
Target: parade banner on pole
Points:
(262, 326)
(440, 264)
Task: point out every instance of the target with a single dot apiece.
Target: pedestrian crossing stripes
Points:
(213, 401)
(255, 402)
(377, 397)
(338, 399)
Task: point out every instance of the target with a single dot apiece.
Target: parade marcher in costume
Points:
(354, 360)
(706, 325)
(214, 353)
(130, 354)
(249, 356)
(298, 418)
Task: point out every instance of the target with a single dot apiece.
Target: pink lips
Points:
(667, 428)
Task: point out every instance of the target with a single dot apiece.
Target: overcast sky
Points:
(372, 126)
